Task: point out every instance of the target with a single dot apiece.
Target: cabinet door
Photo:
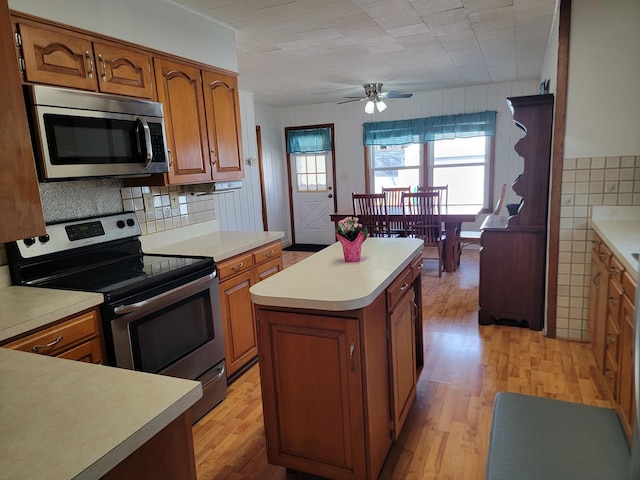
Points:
(223, 121)
(57, 57)
(311, 385)
(20, 203)
(598, 301)
(123, 71)
(266, 269)
(625, 372)
(240, 338)
(180, 91)
(403, 360)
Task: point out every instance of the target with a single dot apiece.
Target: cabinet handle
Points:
(170, 158)
(613, 300)
(609, 373)
(104, 68)
(614, 271)
(214, 158)
(352, 347)
(596, 280)
(611, 338)
(269, 253)
(235, 268)
(603, 257)
(35, 348)
(88, 56)
(404, 286)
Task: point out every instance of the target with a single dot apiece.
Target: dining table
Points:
(452, 217)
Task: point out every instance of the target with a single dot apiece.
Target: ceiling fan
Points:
(374, 97)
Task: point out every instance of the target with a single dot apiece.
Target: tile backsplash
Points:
(586, 182)
(164, 208)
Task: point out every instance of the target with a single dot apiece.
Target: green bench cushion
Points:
(534, 438)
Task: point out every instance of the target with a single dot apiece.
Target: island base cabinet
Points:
(311, 365)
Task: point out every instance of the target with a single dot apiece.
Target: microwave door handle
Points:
(147, 140)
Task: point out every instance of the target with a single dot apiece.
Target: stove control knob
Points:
(120, 223)
(130, 222)
(44, 238)
(29, 241)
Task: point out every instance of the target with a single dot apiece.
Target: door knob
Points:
(330, 195)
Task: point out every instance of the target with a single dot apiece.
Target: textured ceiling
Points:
(312, 51)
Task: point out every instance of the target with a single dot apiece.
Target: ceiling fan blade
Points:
(355, 99)
(393, 94)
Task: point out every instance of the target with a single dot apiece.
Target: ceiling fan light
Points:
(369, 107)
(381, 106)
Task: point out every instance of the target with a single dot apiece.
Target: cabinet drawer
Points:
(399, 287)
(629, 286)
(616, 269)
(267, 252)
(416, 266)
(236, 265)
(60, 337)
(266, 269)
(595, 243)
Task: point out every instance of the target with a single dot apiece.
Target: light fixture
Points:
(381, 105)
(369, 107)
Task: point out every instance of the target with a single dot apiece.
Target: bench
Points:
(535, 438)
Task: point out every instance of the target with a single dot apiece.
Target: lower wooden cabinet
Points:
(236, 276)
(77, 338)
(611, 326)
(337, 386)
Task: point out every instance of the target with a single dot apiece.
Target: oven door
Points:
(177, 332)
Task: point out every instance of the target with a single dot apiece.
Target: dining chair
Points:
(371, 210)
(443, 190)
(422, 219)
(472, 237)
(394, 204)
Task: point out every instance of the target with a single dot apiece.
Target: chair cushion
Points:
(534, 438)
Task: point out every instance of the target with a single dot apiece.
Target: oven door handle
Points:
(123, 309)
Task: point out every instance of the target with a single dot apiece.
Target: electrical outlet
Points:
(148, 202)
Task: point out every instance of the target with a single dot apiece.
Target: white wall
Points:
(550, 64)
(349, 117)
(603, 104)
(156, 24)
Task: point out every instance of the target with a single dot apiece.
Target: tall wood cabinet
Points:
(20, 203)
(513, 249)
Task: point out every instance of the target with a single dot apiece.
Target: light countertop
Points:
(61, 419)
(619, 228)
(28, 308)
(201, 240)
(324, 281)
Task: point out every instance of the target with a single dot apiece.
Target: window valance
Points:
(309, 140)
(421, 130)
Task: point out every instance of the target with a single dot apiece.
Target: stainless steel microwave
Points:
(82, 134)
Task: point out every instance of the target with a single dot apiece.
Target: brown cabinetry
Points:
(76, 338)
(611, 320)
(337, 386)
(56, 56)
(202, 120)
(513, 249)
(236, 275)
(20, 203)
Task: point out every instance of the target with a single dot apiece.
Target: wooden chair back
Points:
(371, 210)
(443, 190)
(394, 204)
(422, 219)
(500, 202)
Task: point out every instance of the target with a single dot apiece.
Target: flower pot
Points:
(351, 249)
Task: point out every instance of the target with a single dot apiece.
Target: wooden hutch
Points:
(513, 252)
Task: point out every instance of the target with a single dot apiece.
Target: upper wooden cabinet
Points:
(20, 203)
(223, 125)
(56, 56)
(180, 91)
(202, 119)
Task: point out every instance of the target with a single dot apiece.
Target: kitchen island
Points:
(339, 344)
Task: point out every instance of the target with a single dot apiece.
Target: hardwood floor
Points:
(447, 431)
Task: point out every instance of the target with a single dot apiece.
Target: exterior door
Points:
(312, 197)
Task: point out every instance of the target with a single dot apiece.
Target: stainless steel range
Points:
(161, 313)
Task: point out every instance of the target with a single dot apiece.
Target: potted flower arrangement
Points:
(351, 233)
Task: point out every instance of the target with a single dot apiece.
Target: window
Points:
(311, 172)
(396, 166)
(464, 164)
